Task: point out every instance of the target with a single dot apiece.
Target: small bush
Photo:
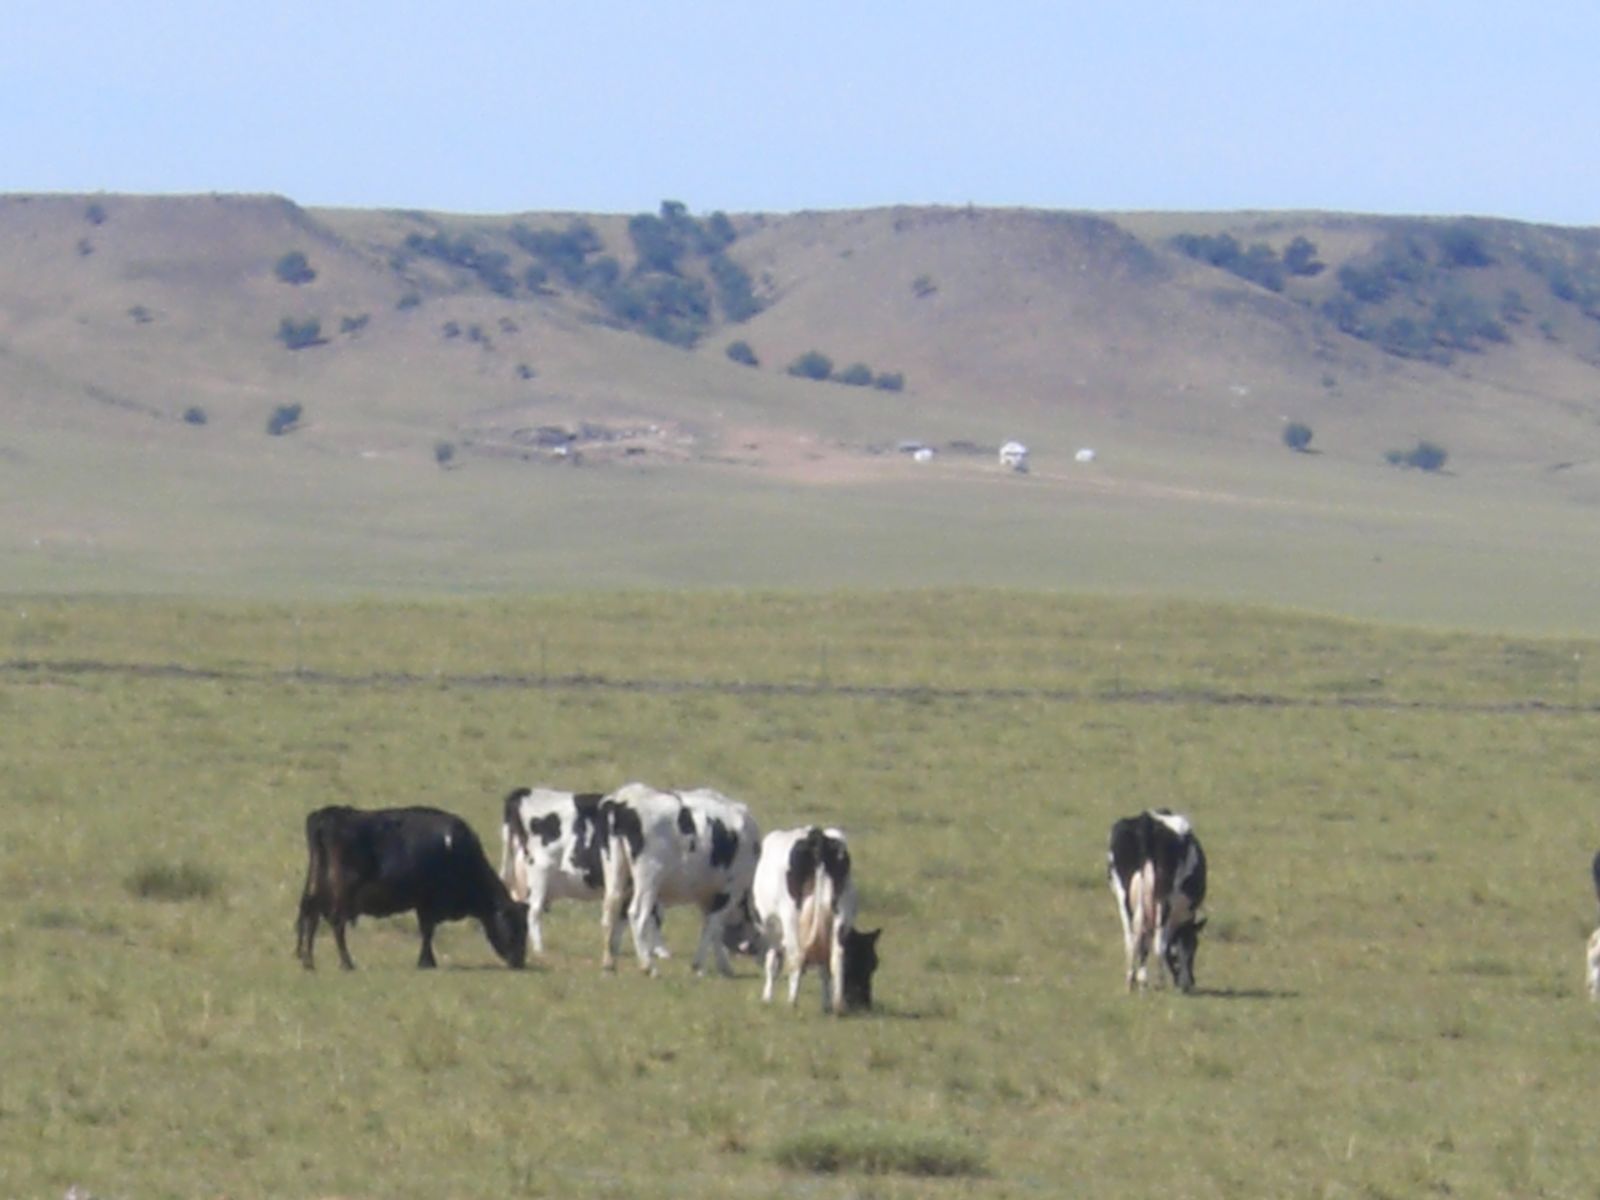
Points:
(741, 353)
(284, 418)
(95, 214)
(194, 415)
(1297, 435)
(880, 1150)
(172, 882)
(351, 325)
(890, 381)
(856, 375)
(1425, 456)
(297, 335)
(444, 453)
(812, 365)
(294, 268)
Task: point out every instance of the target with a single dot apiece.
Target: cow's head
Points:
(741, 932)
(1182, 948)
(507, 928)
(860, 961)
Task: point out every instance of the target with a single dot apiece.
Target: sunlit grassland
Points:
(1390, 1002)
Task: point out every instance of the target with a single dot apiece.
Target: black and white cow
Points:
(1157, 872)
(393, 860)
(669, 848)
(804, 898)
(1592, 955)
(552, 845)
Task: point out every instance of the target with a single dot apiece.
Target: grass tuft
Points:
(173, 882)
(879, 1149)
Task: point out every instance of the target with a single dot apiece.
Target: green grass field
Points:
(1399, 826)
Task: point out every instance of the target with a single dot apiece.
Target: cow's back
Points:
(402, 858)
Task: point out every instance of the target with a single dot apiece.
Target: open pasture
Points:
(1398, 825)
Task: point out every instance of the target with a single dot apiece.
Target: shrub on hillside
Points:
(294, 268)
(890, 381)
(1462, 246)
(1297, 436)
(1259, 263)
(813, 364)
(741, 353)
(444, 453)
(1300, 258)
(736, 294)
(297, 335)
(284, 418)
(1425, 456)
(194, 415)
(856, 375)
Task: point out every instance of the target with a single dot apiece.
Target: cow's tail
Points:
(315, 897)
(817, 909)
(513, 841)
(1595, 871)
(1142, 902)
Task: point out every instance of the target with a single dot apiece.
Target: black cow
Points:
(393, 860)
(1157, 872)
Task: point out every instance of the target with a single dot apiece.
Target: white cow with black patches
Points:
(669, 848)
(1157, 872)
(552, 848)
(805, 903)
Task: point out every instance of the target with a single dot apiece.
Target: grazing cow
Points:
(1592, 957)
(394, 860)
(696, 847)
(551, 849)
(1157, 872)
(805, 902)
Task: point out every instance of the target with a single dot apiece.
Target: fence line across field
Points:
(821, 686)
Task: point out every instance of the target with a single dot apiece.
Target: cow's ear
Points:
(1200, 924)
(872, 935)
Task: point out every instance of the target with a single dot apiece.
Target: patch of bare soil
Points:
(582, 443)
(803, 457)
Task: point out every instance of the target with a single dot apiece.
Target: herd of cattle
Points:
(790, 897)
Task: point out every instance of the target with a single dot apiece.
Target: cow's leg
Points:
(536, 903)
(772, 965)
(306, 931)
(427, 924)
(1130, 935)
(643, 918)
(1592, 961)
(833, 977)
(711, 930)
(797, 967)
(611, 905)
(338, 924)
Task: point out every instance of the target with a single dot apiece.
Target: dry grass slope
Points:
(464, 430)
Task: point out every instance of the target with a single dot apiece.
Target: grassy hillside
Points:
(1390, 984)
(488, 403)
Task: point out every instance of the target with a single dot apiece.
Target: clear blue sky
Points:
(1388, 106)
